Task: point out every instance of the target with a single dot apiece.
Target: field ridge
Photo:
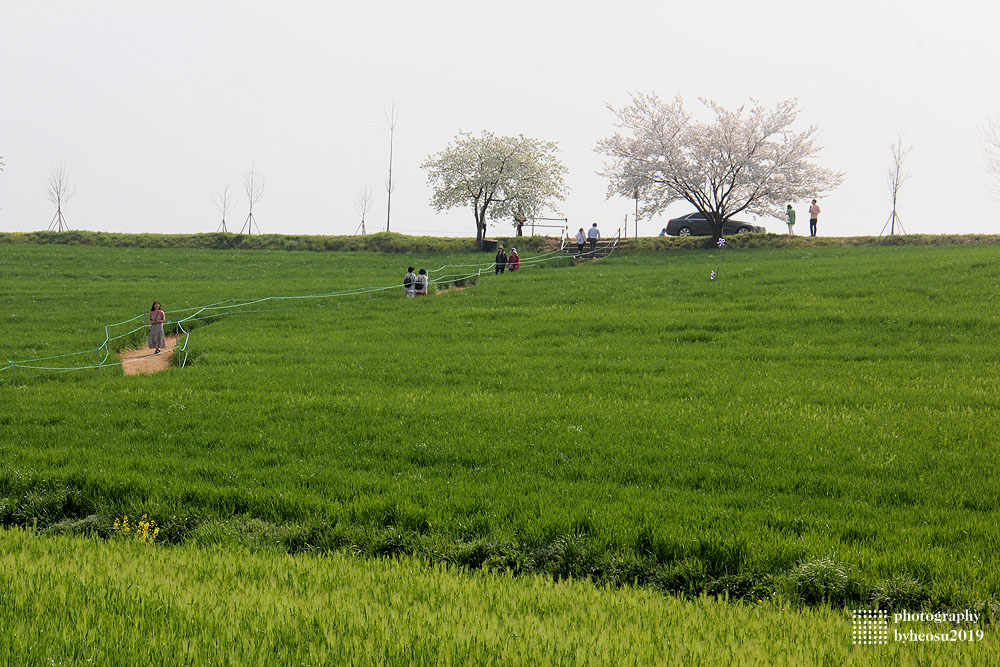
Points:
(395, 243)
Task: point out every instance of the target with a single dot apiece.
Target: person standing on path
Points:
(813, 218)
(156, 320)
(592, 235)
(581, 239)
(790, 212)
(513, 261)
(501, 261)
(409, 283)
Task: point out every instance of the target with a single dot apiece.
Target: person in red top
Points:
(513, 260)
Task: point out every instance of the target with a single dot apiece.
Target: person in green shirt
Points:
(790, 212)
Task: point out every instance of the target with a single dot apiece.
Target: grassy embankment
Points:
(390, 242)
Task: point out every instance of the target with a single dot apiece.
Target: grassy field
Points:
(815, 425)
(117, 602)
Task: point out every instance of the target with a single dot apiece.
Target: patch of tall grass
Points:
(84, 601)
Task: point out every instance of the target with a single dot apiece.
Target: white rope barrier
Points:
(234, 307)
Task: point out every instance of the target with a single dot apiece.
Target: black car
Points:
(695, 224)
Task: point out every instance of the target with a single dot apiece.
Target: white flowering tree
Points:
(497, 176)
(747, 159)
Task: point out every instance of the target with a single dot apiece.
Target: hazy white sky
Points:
(153, 107)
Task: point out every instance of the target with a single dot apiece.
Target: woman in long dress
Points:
(156, 320)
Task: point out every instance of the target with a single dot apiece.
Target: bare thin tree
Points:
(991, 149)
(59, 194)
(253, 184)
(391, 117)
(223, 200)
(362, 204)
(895, 178)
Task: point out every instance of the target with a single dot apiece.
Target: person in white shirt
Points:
(410, 283)
(421, 283)
(581, 238)
(813, 218)
(592, 235)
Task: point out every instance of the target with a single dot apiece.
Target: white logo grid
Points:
(871, 626)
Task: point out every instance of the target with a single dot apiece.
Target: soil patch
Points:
(143, 359)
(444, 290)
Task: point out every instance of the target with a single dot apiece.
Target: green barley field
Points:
(621, 461)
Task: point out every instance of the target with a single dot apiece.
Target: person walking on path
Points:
(581, 239)
(409, 283)
(790, 212)
(592, 235)
(420, 284)
(813, 218)
(513, 261)
(501, 261)
(156, 320)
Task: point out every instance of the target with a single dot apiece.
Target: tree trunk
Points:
(715, 219)
(480, 223)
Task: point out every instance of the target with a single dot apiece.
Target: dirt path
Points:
(142, 360)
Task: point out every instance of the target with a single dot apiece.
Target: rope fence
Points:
(14, 370)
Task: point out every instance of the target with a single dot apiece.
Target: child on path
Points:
(420, 284)
(156, 320)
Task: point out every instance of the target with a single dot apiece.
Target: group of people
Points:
(592, 236)
(511, 262)
(813, 218)
(415, 284)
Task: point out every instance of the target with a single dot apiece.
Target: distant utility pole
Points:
(59, 193)
(253, 184)
(391, 117)
(362, 205)
(224, 203)
(895, 178)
